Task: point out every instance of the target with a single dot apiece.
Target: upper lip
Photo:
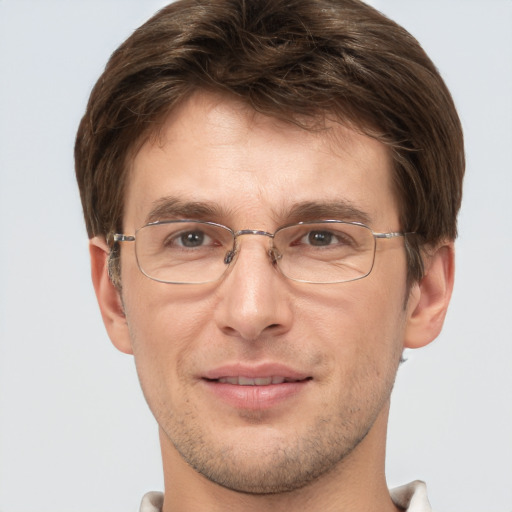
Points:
(259, 371)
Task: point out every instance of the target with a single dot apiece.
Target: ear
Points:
(109, 297)
(429, 299)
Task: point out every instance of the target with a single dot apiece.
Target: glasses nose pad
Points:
(275, 255)
(229, 256)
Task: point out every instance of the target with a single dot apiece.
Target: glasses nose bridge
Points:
(256, 232)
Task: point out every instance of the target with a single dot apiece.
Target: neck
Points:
(356, 484)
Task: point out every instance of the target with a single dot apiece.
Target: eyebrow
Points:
(170, 207)
(331, 210)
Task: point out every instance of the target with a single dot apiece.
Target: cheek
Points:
(165, 323)
(163, 338)
(361, 327)
(160, 316)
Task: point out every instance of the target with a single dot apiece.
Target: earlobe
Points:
(108, 296)
(429, 299)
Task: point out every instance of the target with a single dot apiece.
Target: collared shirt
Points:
(411, 497)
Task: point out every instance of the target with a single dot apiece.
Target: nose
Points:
(254, 300)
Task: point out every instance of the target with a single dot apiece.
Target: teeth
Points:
(259, 381)
(229, 380)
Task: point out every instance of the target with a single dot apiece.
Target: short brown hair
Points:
(292, 59)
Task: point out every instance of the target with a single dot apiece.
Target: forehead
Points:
(248, 167)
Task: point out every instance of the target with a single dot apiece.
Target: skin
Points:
(323, 447)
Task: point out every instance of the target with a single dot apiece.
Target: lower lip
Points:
(255, 397)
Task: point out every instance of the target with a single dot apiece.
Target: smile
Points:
(258, 381)
(257, 391)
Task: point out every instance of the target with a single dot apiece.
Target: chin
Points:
(264, 462)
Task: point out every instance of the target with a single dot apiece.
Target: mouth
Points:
(256, 388)
(257, 381)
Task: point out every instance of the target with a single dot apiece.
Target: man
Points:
(271, 191)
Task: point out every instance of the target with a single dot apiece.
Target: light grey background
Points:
(75, 433)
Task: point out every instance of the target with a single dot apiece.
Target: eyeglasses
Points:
(197, 252)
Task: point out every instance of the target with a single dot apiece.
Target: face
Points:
(259, 382)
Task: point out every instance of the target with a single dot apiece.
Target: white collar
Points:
(411, 497)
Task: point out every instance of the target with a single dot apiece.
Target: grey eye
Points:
(319, 238)
(192, 239)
